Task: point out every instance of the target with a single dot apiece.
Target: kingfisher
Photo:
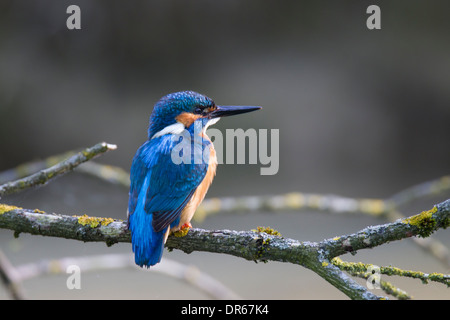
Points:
(172, 171)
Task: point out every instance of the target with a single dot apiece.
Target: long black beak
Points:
(225, 111)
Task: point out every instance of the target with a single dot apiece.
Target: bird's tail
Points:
(148, 245)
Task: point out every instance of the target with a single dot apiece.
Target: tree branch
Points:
(43, 176)
(359, 267)
(421, 225)
(250, 245)
(355, 270)
(83, 228)
(256, 245)
(335, 204)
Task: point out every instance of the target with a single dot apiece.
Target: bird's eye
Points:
(204, 110)
(198, 110)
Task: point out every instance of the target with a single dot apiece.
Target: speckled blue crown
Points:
(171, 105)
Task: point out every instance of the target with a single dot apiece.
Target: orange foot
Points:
(184, 229)
(186, 225)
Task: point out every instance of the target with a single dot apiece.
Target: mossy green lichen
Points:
(267, 230)
(359, 267)
(93, 221)
(353, 267)
(181, 233)
(439, 277)
(396, 292)
(424, 221)
(6, 208)
(87, 154)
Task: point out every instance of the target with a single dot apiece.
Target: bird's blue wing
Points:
(171, 185)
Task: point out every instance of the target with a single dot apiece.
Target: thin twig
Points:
(65, 166)
(10, 278)
(28, 168)
(424, 189)
(392, 271)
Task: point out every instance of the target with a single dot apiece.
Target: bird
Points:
(164, 194)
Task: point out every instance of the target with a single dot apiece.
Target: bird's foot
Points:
(184, 229)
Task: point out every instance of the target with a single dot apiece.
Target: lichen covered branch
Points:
(421, 225)
(358, 267)
(250, 245)
(261, 244)
(74, 227)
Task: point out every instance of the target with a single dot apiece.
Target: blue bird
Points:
(172, 171)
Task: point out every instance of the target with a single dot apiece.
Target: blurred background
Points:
(361, 113)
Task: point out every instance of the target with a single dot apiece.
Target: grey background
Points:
(361, 114)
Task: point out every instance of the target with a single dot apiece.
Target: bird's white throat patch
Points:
(210, 123)
(176, 128)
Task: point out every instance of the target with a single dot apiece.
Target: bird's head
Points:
(178, 111)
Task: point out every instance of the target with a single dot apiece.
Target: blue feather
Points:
(147, 244)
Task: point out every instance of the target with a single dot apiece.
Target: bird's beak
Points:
(225, 111)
